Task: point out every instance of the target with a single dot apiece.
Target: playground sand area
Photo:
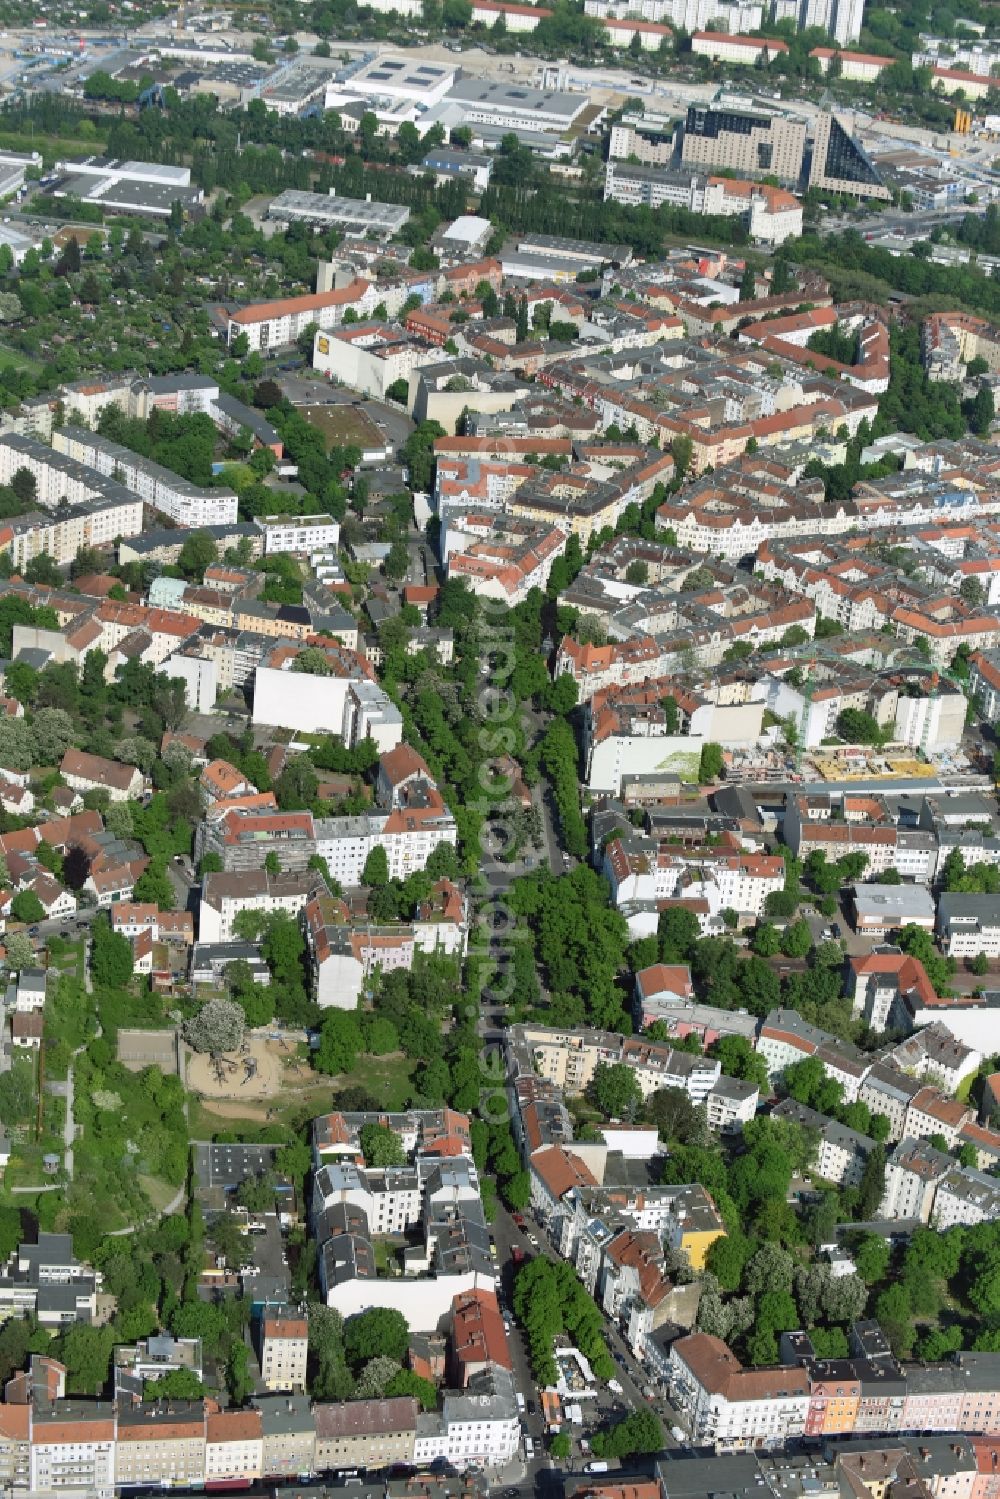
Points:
(259, 1070)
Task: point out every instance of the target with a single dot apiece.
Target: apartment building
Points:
(936, 1056)
(276, 325)
(731, 1408)
(92, 523)
(242, 837)
(409, 833)
(186, 503)
(745, 139)
(691, 1222)
(660, 988)
(344, 954)
(225, 896)
(479, 1425)
(478, 1339)
(643, 869)
(345, 701)
(159, 1444)
(883, 986)
(966, 1196)
(234, 1447)
(841, 1153)
(300, 534)
(750, 51)
(284, 1341)
(288, 1436)
(840, 164)
(569, 1059)
(912, 1175)
(73, 1447)
(984, 681)
(501, 557)
(365, 1433)
(785, 1038)
(889, 1092)
(855, 67)
(730, 1104)
(869, 1392)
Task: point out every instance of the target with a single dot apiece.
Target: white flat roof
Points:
(469, 228)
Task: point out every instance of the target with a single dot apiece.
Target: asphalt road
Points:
(629, 1373)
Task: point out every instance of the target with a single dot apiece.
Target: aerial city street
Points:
(499, 749)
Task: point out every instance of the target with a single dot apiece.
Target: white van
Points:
(520, 1402)
(596, 1468)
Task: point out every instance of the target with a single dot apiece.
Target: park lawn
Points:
(389, 1079)
(159, 1192)
(205, 1124)
(23, 361)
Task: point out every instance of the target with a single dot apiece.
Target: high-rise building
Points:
(841, 18)
(747, 140)
(840, 163)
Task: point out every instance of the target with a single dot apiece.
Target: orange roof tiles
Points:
(260, 312)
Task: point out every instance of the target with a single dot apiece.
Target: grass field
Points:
(23, 361)
(389, 1079)
(53, 147)
(160, 1193)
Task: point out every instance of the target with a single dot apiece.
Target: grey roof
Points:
(736, 1088)
(964, 911)
(51, 1249)
(285, 1415)
(694, 1477)
(487, 93)
(347, 1257)
(898, 903)
(979, 1371)
(152, 541)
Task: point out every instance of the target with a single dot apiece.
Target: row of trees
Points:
(549, 1300)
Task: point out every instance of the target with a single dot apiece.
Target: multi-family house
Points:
(732, 1408)
(234, 1448)
(159, 1444)
(73, 1446)
(288, 1436)
(284, 1341)
(881, 983)
(365, 1433)
(889, 1092)
(912, 1175)
(841, 1153)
